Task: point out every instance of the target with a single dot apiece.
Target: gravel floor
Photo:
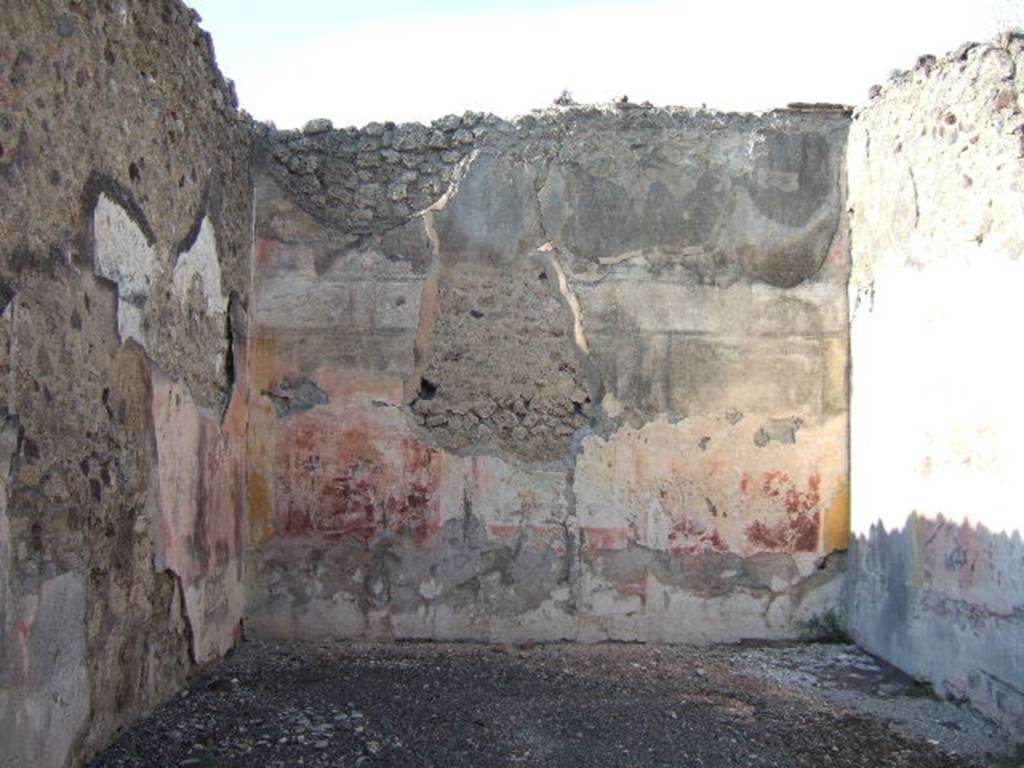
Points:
(444, 705)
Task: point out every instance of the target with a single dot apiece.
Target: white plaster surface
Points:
(124, 256)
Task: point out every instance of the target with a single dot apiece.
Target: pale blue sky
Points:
(360, 60)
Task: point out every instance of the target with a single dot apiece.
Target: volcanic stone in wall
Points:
(501, 370)
(125, 221)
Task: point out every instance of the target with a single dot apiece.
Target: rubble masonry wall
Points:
(125, 242)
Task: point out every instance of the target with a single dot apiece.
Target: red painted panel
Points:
(338, 479)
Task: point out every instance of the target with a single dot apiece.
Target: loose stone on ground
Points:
(359, 704)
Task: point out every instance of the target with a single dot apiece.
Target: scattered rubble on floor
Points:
(360, 704)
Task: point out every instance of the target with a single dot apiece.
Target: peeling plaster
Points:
(195, 500)
(703, 339)
(571, 329)
(140, 150)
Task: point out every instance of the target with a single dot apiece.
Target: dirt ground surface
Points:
(444, 705)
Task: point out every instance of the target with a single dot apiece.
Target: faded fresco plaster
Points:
(594, 389)
(395, 538)
(749, 526)
(198, 492)
(197, 486)
(44, 688)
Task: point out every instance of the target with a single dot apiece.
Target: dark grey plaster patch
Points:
(237, 325)
(289, 398)
(494, 218)
(700, 574)
(65, 25)
(733, 416)
(779, 430)
(810, 158)
(7, 292)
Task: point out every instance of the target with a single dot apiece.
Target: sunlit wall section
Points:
(937, 304)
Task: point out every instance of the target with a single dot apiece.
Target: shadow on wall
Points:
(945, 602)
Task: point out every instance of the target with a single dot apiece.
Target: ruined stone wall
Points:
(577, 376)
(936, 580)
(125, 242)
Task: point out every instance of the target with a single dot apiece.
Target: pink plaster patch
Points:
(596, 539)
